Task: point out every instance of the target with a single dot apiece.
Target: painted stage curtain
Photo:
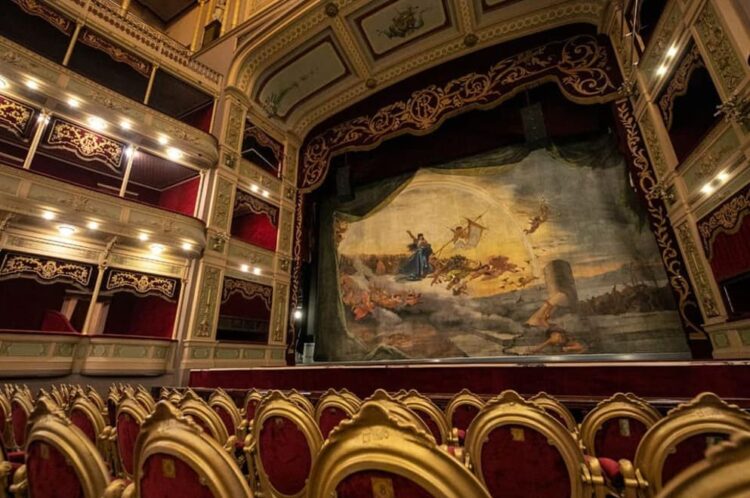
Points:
(524, 253)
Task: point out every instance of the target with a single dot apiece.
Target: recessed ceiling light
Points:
(187, 246)
(244, 268)
(4, 84)
(723, 176)
(662, 70)
(256, 270)
(143, 236)
(97, 123)
(253, 188)
(66, 230)
(156, 248)
(129, 151)
(163, 139)
(174, 154)
(48, 215)
(707, 188)
(125, 124)
(32, 84)
(73, 102)
(265, 193)
(297, 314)
(672, 51)
(92, 225)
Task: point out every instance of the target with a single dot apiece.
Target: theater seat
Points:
(54, 321)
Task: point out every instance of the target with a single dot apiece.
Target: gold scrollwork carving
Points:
(266, 141)
(580, 65)
(660, 224)
(723, 56)
(51, 16)
(47, 270)
(726, 219)
(247, 289)
(699, 274)
(255, 206)
(86, 145)
(141, 283)
(120, 55)
(678, 85)
(207, 301)
(14, 116)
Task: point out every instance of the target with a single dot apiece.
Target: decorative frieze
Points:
(234, 127)
(85, 145)
(208, 298)
(46, 270)
(14, 116)
(248, 290)
(726, 219)
(141, 284)
(280, 313)
(222, 204)
(724, 59)
(246, 202)
(653, 145)
(53, 17)
(662, 38)
(700, 277)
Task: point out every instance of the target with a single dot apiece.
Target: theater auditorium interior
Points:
(374, 249)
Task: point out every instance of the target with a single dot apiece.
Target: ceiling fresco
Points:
(333, 54)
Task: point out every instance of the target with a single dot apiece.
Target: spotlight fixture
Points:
(73, 102)
(265, 193)
(297, 314)
(253, 188)
(156, 249)
(143, 236)
(125, 124)
(162, 139)
(66, 230)
(707, 189)
(31, 84)
(96, 123)
(4, 83)
(48, 215)
(174, 154)
(244, 268)
(256, 270)
(92, 225)
(129, 151)
(187, 246)
(672, 51)
(723, 177)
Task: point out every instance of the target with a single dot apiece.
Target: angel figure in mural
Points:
(538, 219)
(418, 265)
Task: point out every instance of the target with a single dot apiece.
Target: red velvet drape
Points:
(255, 229)
(24, 302)
(731, 253)
(285, 454)
(181, 198)
(140, 315)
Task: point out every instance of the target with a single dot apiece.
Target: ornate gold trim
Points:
(247, 290)
(46, 269)
(706, 413)
(509, 408)
(334, 399)
(85, 145)
(115, 52)
(143, 396)
(464, 397)
(723, 474)
(133, 408)
(621, 405)
(551, 404)
(167, 431)
(376, 439)
(276, 404)
(57, 20)
(417, 402)
(82, 403)
(141, 283)
(252, 395)
(301, 400)
(222, 400)
(256, 206)
(723, 56)
(14, 116)
(678, 85)
(700, 277)
(194, 406)
(726, 219)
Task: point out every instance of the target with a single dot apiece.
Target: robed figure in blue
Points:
(417, 266)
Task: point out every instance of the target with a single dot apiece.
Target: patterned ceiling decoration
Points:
(85, 145)
(386, 25)
(580, 65)
(46, 270)
(365, 46)
(141, 284)
(15, 117)
(303, 74)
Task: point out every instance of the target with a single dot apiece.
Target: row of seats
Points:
(72, 443)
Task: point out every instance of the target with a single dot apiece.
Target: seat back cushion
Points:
(49, 474)
(687, 452)
(330, 418)
(619, 438)
(377, 484)
(226, 419)
(519, 462)
(463, 415)
(285, 454)
(127, 432)
(431, 424)
(19, 421)
(165, 476)
(83, 422)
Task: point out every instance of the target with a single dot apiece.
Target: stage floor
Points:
(664, 380)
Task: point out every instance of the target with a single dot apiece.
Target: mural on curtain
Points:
(540, 257)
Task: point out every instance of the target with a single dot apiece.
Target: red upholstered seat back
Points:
(431, 424)
(19, 420)
(285, 454)
(3, 416)
(378, 483)
(518, 462)
(81, 420)
(252, 405)
(165, 476)
(49, 475)
(687, 452)
(54, 321)
(226, 419)
(463, 415)
(127, 432)
(330, 418)
(619, 438)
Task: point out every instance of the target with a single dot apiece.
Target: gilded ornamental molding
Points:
(118, 54)
(678, 85)
(727, 65)
(141, 283)
(14, 116)
(726, 219)
(85, 145)
(697, 269)
(45, 270)
(244, 201)
(248, 290)
(57, 20)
